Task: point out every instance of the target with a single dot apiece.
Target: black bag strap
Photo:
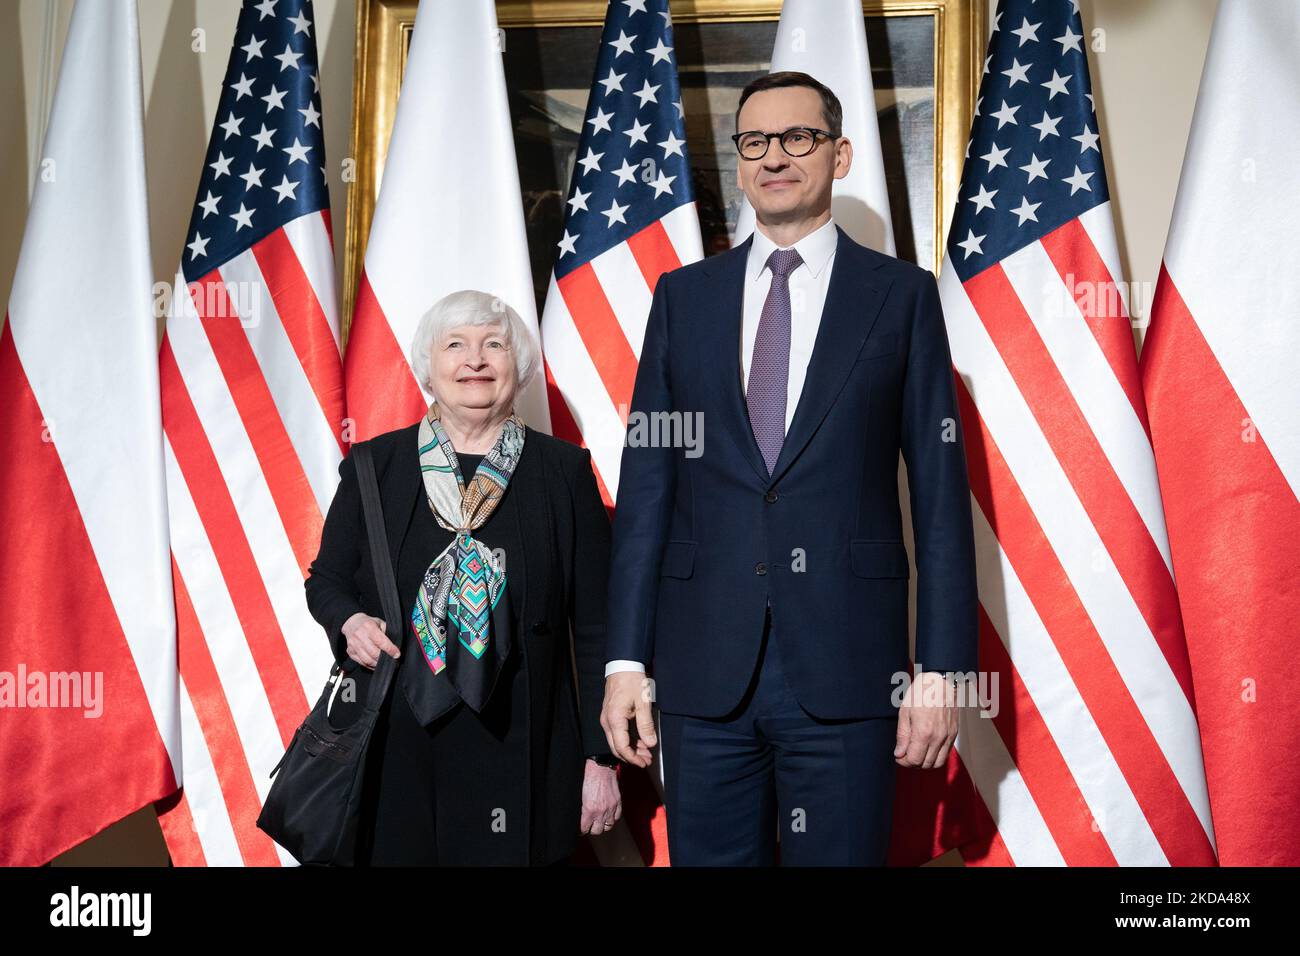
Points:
(382, 562)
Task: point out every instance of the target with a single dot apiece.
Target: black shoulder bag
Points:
(313, 807)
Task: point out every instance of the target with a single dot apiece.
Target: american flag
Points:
(631, 216)
(252, 396)
(1094, 756)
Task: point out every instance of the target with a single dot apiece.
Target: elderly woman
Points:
(485, 752)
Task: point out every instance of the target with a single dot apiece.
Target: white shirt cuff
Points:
(615, 667)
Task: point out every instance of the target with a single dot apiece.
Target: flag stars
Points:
(221, 166)
(199, 247)
(614, 82)
(995, 157)
(983, 199)
(286, 190)
(231, 125)
(243, 218)
(1027, 31)
(301, 24)
(663, 184)
(578, 201)
(1046, 126)
(1026, 210)
(253, 177)
(672, 145)
(634, 6)
(1005, 115)
(266, 8)
(566, 244)
(310, 115)
(1070, 40)
(1087, 140)
(646, 94)
(263, 137)
(600, 122)
(1037, 168)
(1078, 181)
(288, 58)
(591, 161)
(626, 173)
(274, 100)
(209, 205)
(1056, 85)
(297, 153)
(972, 243)
(659, 52)
(1019, 72)
(253, 48)
(623, 44)
(615, 213)
(637, 133)
(243, 88)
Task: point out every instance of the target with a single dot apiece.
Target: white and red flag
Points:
(1218, 369)
(88, 711)
(252, 408)
(449, 215)
(1088, 752)
(827, 39)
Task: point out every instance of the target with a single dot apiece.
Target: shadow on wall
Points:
(176, 137)
(13, 158)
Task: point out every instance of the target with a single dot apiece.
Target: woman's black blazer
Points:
(564, 572)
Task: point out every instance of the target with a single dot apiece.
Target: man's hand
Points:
(366, 639)
(927, 722)
(627, 699)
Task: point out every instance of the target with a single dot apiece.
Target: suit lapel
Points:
(723, 338)
(853, 301)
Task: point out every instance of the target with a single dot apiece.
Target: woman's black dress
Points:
(454, 793)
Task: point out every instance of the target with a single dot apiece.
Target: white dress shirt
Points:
(808, 283)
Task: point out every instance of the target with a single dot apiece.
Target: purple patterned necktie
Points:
(770, 369)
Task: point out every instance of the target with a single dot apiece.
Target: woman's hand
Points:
(366, 638)
(602, 803)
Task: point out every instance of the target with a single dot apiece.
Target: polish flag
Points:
(827, 39)
(1218, 369)
(89, 726)
(449, 214)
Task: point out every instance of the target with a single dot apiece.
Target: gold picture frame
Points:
(384, 27)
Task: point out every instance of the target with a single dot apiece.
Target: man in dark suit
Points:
(763, 577)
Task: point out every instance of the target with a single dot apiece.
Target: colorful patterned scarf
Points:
(461, 589)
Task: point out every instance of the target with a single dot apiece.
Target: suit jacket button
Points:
(760, 568)
(770, 497)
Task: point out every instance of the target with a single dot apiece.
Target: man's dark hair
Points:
(831, 108)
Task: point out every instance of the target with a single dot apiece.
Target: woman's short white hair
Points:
(470, 307)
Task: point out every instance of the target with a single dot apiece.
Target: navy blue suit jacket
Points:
(703, 542)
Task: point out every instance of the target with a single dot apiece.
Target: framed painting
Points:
(926, 61)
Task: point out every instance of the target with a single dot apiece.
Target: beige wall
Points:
(1145, 60)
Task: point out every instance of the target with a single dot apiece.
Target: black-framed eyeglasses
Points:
(796, 141)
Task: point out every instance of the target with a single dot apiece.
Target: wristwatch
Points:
(605, 760)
